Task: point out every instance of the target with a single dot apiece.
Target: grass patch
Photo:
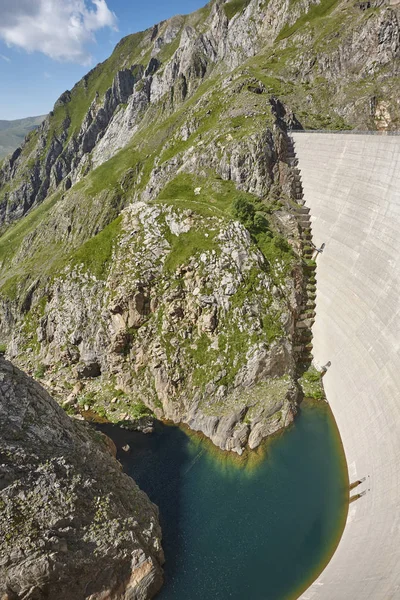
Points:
(96, 253)
(275, 248)
(11, 240)
(272, 327)
(234, 6)
(214, 197)
(10, 288)
(311, 384)
(40, 371)
(138, 410)
(109, 175)
(186, 245)
(317, 11)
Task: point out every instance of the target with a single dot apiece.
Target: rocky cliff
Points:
(152, 256)
(72, 525)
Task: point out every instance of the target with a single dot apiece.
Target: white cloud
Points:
(61, 29)
(5, 58)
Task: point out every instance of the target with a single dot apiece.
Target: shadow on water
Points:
(260, 529)
(158, 462)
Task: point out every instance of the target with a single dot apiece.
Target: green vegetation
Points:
(10, 288)
(96, 253)
(245, 211)
(99, 80)
(226, 360)
(86, 399)
(39, 245)
(316, 11)
(104, 402)
(311, 384)
(138, 410)
(119, 173)
(188, 244)
(234, 6)
(15, 235)
(213, 198)
(40, 371)
(272, 327)
(274, 247)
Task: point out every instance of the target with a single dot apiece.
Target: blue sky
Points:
(46, 46)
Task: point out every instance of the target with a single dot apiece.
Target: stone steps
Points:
(302, 210)
(305, 320)
(308, 314)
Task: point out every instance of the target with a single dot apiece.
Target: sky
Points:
(46, 46)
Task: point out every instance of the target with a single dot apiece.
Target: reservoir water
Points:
(258, 529)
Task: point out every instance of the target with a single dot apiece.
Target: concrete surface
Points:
(352, 185)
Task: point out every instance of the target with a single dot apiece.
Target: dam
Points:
(351, 184)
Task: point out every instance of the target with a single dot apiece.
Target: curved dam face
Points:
(351, 184)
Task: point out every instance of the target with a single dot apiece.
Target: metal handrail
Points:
(345, 131)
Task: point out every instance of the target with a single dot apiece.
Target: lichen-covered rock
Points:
(72, 525)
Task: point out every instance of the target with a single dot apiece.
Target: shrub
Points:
(244, 211)
(260, 222)
(40, 371)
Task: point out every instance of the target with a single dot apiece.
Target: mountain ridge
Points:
(13, 133)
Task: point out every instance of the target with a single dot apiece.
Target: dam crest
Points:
(351, 184)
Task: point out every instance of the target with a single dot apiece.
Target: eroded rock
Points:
(72, 525)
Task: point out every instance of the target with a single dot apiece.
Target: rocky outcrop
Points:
(192, 321)
(72, 525)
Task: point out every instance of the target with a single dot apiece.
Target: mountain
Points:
(13, 133)
(156, 261)
(152, 246)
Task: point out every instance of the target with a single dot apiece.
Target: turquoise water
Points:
(260, 532)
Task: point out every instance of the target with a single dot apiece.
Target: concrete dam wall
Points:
(351, 184)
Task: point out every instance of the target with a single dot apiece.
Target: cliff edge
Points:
(72, 525)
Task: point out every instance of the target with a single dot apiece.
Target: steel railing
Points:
(345, 131)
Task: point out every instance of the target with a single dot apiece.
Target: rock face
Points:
(184, 307)
(192, 321)
(187, 339)
(115, 97)
(72, 525)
